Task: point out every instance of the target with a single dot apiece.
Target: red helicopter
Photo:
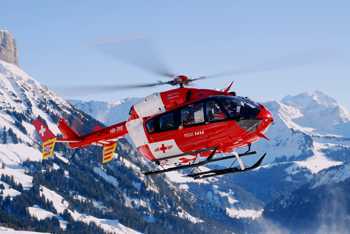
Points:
(180, 128)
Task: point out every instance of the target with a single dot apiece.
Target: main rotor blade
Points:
(85, 90)
(134, 49)
(319, 55)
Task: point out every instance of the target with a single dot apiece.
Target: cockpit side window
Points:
(214, 112)
(232, 107)
(239, 107)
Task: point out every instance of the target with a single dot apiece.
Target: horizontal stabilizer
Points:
(96, 128)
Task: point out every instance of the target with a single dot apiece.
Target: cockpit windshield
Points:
(239, 107)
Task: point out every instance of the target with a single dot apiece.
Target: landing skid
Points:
(226, 171)
(209, 159)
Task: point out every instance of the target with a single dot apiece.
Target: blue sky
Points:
(193, 38)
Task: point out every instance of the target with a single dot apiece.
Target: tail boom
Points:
(111, 133)
(106, 137)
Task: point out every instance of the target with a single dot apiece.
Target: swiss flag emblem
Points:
(44, 133)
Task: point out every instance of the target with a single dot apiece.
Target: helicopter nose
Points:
(265, 114)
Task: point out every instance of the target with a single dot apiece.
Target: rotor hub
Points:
(181, 80)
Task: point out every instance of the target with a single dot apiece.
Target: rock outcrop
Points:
(8, 48)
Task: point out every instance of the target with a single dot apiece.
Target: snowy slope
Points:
(21, 101)
(334, 175)
(320, 206)
(60, 204)
(13, 231)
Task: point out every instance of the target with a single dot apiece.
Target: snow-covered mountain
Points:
(307, 125)
(319, 206)
(23, 99)
(85, 196)
(310, 135)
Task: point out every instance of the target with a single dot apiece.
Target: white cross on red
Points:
(42, 130)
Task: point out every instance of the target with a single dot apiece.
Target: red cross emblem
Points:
(163, 148)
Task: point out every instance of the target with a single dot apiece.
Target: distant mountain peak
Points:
(306, 101)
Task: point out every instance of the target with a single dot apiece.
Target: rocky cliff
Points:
(8, 48)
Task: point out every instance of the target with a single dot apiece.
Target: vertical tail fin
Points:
(44, 132)
(46, 136)
(66, 131)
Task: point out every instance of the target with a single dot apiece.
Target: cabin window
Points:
(190, 115)
(167, 122)
(214, 112)
(150, 126)
(193, 114)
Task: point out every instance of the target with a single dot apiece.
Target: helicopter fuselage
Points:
(186, 119)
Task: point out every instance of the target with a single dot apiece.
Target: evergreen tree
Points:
(13, 136)
(5, 135)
